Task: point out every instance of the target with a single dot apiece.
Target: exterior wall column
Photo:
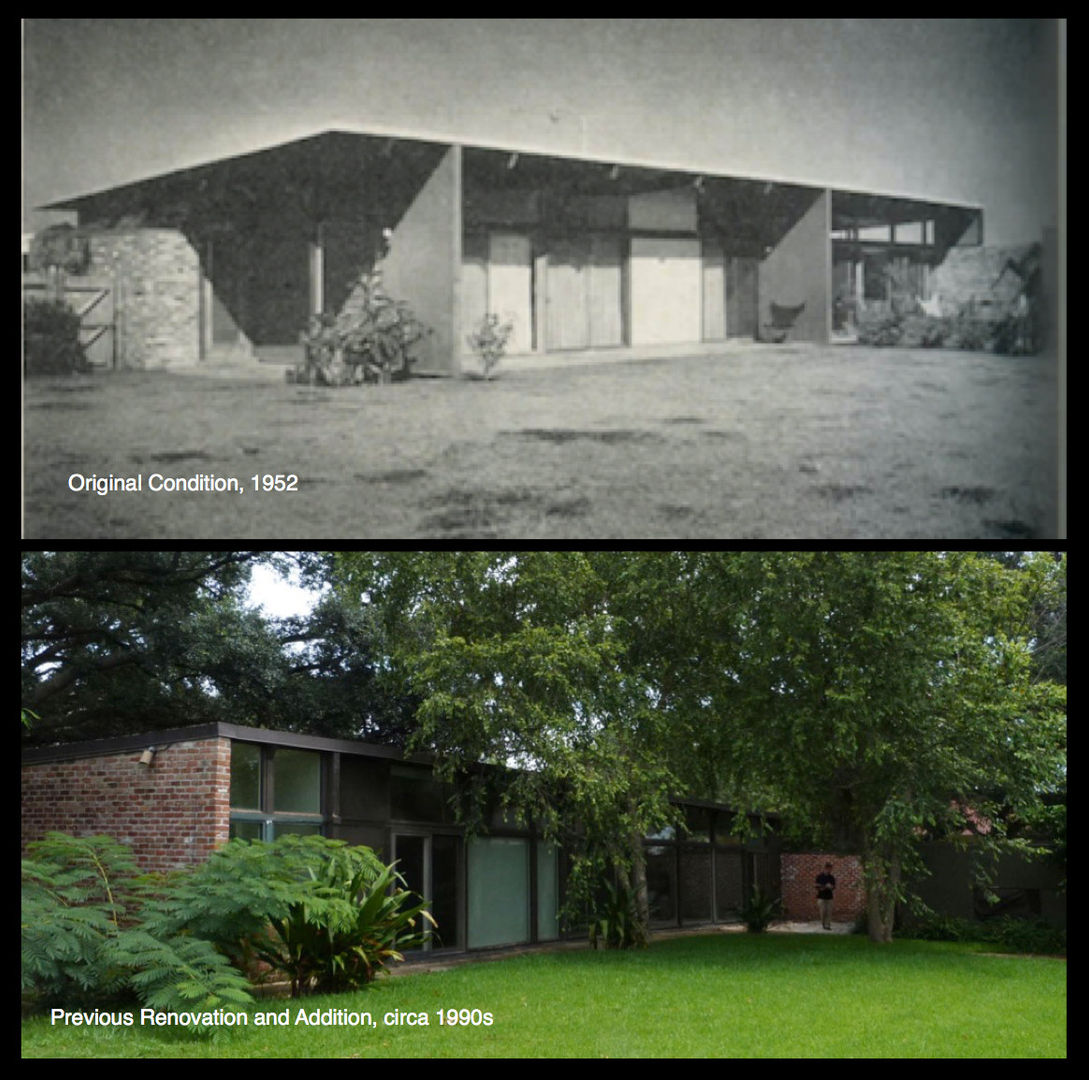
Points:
(798, 270)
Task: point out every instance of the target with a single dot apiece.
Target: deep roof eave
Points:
(377, 132)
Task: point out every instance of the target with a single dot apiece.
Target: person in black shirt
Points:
(826, 885)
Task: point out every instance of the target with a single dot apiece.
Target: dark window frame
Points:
(268, 818)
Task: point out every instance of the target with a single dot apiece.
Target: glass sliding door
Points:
(429, 866)
(498, 872)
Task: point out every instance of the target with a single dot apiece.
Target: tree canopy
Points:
(868, 698)
(871, 697)
(121, 642)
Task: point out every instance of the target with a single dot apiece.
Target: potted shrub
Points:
(371, 340)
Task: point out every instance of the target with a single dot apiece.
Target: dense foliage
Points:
(1007, 933)
(372, 340)
(317, 912)
(51, 338)
(1011, 332)
(115, 642)
(870, 697)
(759, 910)
(85, 938)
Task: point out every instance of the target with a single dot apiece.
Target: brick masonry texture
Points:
(173, 813)
(799, 875)
(157, 277)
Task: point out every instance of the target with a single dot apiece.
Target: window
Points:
(274, 791)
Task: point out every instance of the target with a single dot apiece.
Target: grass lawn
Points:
(720, 995)
(757, 442)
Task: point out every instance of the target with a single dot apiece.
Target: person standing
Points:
(826, 886)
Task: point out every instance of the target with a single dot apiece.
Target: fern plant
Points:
(77, 894)
(82, 938)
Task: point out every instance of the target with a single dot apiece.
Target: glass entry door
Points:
(429, 865)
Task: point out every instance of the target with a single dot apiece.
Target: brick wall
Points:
(173, 813)
(157, 280)
(799, 891)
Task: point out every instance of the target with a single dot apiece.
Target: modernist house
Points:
(176, 795)
(231, 258)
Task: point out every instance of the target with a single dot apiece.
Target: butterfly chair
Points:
(782, 322)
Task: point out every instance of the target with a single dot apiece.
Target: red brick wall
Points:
(799, 875)
(173, 813)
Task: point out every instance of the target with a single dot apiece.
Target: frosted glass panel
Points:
(548, 925)
(498, 891)
(298, 782)
(245, 776)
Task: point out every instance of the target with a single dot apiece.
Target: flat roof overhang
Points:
(322, 170)
(120, 744)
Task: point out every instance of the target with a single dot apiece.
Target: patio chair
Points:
(782, 322)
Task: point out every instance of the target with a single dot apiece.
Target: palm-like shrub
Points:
(357, 921)
(759, 911)
(614, 924)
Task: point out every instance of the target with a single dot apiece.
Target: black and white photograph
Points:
(620, 279)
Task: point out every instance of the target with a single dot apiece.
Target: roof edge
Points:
(435, 138)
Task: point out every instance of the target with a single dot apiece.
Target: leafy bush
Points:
(356, 922)
(759, 911)
(968, 331)
(878, 328)
(1017, 334)
(60, 249)
(371, 340)
(51, 338)
(923, 331)
(75, 898)
(326, 915)
(1008, 933)
(489, 341)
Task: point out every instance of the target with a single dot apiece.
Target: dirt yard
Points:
(760, 442)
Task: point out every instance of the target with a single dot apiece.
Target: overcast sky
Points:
(963, 111)
(277, 596)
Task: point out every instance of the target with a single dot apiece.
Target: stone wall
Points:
(975, 275)
(157, 276)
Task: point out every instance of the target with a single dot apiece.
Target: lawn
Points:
(720, 995)
(756, 442)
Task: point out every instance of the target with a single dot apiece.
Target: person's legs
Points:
(825, 907)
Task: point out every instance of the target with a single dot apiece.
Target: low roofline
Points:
(119, 744)
(382, 132)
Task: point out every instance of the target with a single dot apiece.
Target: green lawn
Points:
(722, 995)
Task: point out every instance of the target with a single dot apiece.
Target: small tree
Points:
(489, 341)
(57, 251)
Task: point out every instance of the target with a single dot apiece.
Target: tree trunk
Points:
(639, 889)
(882, 888)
